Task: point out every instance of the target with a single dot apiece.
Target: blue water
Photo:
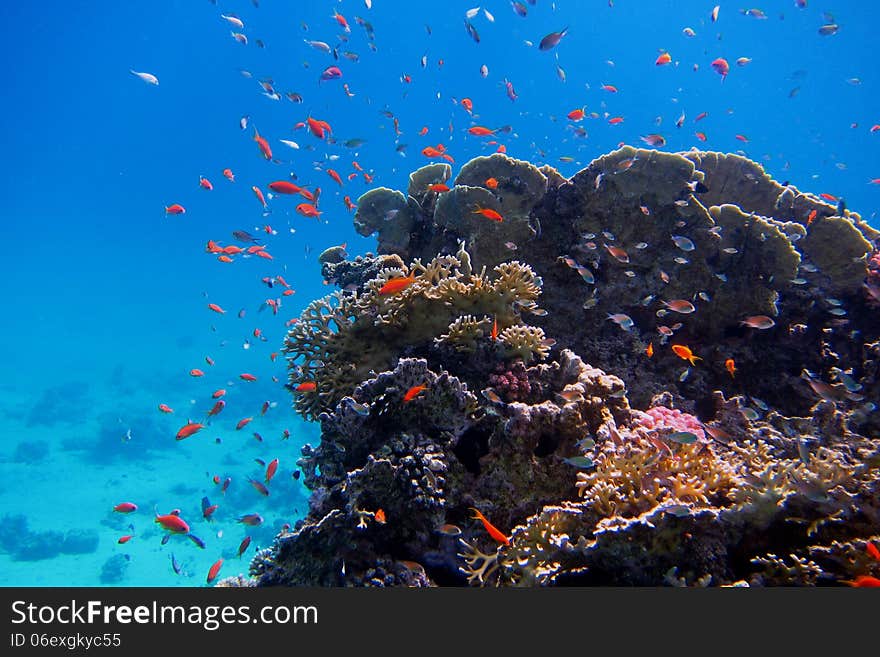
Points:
(105, 308)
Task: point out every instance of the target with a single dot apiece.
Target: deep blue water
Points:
(105, 308)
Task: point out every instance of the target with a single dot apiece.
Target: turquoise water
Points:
(106, 297)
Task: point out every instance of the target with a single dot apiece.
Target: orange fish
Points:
(730, 366)
(495, 328)
(480, 131)
(196, 372)
(307, 386)
(335, 176)
(864, 581)
(259, 194)
(173, 523)
(125, 507)
(685, 353)
(701, 136)
(176, 208)
(872, 550)
(204, 183)
(379, 516)
(494, 532)
(319, 129)
(395, 285)
(271, 469)
(125, 539)
(242, 423)
(489, 214)
(468, 105)
(615, 120)
(284, 187)
(216, 308)
(414, 392)
(761, 322)
(617, 253)
(217, 407)
(437, 188)
(649, 351)
(609, 88)
(492, 183)
(663, 59)
(229, 175)
(208, 511)
(263, 144)
(308, 210)
(189, 429)
(721, 67)
(212, 572)
(244, 376)
(218, 393)
(165, 408)
(576, 115)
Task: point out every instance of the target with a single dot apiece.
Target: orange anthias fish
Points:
(649, 351)
(380, 516)
(212, 572)
(263, 144)
(494, 532)
(307, 386)
(730, 366)
(489, 214)
(664, 58)
(480, 131)
(864, 581)
(173, 523)
(189, 429)
(308, 210)
(395, 285)
(576, 115)
(271, 469)
(229, 175)
(492, 183)
(468, 105)
(175, 208)
(685, 353)
(284, 187)
(414, 392)
(125, 507)
(495, 329)
(438, 188)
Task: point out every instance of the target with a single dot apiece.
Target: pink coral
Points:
(511, 383)
(670, 420)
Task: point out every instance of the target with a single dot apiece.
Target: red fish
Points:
(165, 408)
(271, 469)
(494, 532)
(208, 511)
(480, 131)
(216, 308)
(414, 392)
(864, 581)
(576, 115)
(872, 550)
(244, 545)
(125, 507)
(721, 67)
(125, 539)
(196, 372)
(263, 144)
(212, 572)
(218, 393)
(663, 59)
(259, 194)
(189, 429)
(218, 406)
(176, 208)
(247, 377)
(489, 214)
(333, 174)
(395, 285)
(307, 386)
(229, 175)
(308, 210)
(204, 183)
(242, 423)
(173, 523)
(284, 187)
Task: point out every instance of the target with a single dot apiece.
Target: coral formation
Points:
(691, 404)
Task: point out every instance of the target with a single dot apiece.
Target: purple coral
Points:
(671, 419)
(511, 382)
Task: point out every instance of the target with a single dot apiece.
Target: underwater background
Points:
(106, 294)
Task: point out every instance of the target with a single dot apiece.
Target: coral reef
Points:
(691, 404)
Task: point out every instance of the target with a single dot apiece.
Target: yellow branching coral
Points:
(524, 342)
(638, 475)
(341, 338)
